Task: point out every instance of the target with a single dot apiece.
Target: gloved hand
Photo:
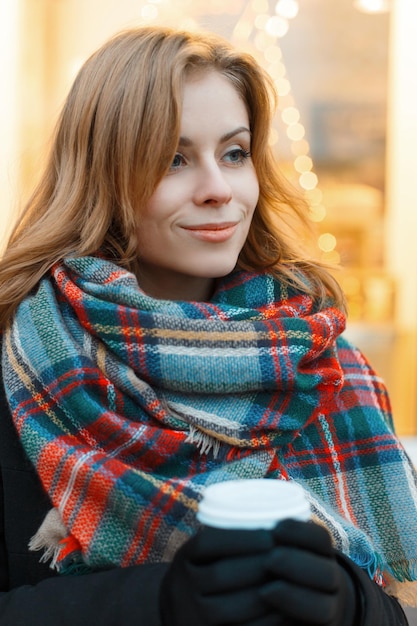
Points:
(215, 579)
(309, 586)
(290, 576)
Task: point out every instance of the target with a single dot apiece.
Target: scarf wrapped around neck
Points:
(129, 406)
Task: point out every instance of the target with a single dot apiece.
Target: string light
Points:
(303, 163)
(372, 6)
(287, 8)
(290, 115)
(277, 26)
(327, 242)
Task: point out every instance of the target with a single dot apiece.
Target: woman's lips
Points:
(215, 233)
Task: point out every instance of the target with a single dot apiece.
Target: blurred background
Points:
(345, 133)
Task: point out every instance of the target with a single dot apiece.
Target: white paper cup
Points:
(251, 504)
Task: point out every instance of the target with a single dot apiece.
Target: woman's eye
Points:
(177, 161)
(237, 156)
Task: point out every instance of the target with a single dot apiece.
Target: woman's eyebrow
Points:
(186, 142)
(232, 133)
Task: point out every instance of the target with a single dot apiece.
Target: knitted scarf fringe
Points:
(203, 441)
(49, 537)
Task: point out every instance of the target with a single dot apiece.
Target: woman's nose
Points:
(212, 186)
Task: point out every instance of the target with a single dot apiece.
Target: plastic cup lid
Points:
(257, 503)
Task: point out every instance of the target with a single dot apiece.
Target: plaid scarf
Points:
(128, 406)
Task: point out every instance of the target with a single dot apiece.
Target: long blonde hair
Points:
(114, 141)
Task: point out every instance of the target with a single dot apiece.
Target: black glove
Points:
(291, 576)
(215, 580)
(313, 584)
(309, 586)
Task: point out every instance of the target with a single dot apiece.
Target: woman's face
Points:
(195, 224)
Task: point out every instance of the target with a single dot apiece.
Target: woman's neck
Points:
(166, 285)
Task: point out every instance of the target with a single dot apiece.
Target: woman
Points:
(162, 332)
